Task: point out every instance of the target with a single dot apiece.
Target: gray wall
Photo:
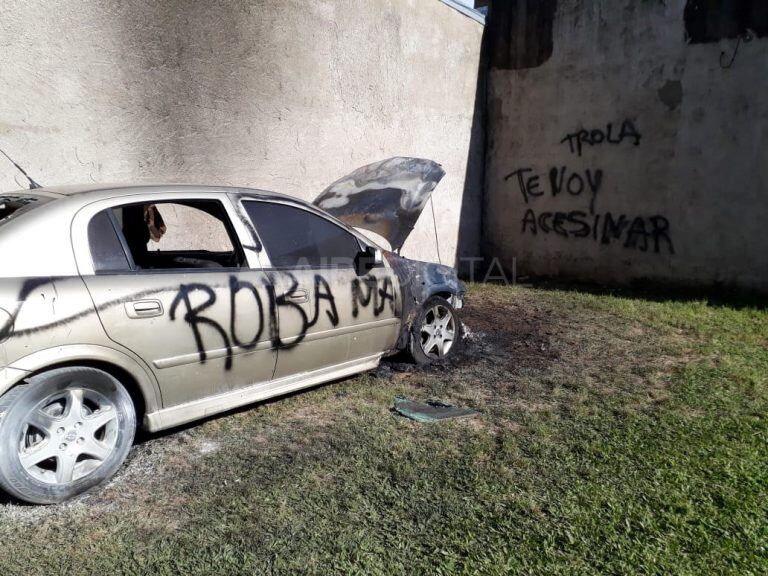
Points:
(683, 191)
(285, 95)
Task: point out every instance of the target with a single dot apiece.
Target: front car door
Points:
(328, 314)
(171, 281)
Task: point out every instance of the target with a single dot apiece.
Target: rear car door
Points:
(327, 313)
(170, 281)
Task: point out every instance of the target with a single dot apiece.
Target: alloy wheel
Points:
(68, 435)
(438, 332)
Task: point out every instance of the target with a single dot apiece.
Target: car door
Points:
(327, 314)
(171, 282)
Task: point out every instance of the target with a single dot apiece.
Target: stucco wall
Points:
(683, 192)
(284, 95)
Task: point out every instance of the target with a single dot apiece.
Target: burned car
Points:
(153, 306)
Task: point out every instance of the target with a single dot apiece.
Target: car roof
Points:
(82, 194)
(117, 189)
(53, 219)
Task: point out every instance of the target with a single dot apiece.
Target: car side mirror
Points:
(367, 259)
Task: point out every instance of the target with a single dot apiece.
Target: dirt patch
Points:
(318, 415)
(515, 333)
(528, 352)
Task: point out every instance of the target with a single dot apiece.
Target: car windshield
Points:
(13, 205)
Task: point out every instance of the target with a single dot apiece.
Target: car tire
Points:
(63, 432)
(436, 332)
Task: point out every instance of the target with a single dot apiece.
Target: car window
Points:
(294, 237)
(106, 250)
(13, 205)
(181, 234)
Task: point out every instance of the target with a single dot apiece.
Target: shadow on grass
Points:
(716, 296)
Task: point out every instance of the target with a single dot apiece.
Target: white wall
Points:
(285, 95)
(701, 162)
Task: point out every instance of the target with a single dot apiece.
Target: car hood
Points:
(385, 197)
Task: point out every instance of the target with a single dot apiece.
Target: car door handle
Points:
(144, 309)
(299, 296)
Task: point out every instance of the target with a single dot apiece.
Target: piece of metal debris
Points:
(430, 411)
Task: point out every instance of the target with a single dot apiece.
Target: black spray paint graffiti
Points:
(194, 319)
(322, 291)
(324, 301)
(368, 289)
(8, 329)
(597, 136)
(560, 181)
(643, 233)
(193, 315)
(235, 286)
(640, 233)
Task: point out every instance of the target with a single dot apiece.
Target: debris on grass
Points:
(430, 411)
(473, 336)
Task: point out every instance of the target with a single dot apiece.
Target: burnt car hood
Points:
(385, 197)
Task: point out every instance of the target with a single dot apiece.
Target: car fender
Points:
(419, 281)
(70, 354)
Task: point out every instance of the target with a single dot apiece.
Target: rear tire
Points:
(62, 433)
(436, 332)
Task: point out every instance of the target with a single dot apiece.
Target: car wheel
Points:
(436, 332)
(62, 433)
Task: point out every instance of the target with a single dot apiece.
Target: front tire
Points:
(436, 332)
(62, 433)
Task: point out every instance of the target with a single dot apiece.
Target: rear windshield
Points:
(12, 205)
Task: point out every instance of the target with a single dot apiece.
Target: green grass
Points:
(616, 436)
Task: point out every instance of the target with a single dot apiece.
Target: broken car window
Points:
(185, 234)
(13, 205)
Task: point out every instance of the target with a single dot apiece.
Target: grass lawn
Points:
(616, 436)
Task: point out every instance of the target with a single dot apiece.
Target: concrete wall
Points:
(285, 95)
(680, 196)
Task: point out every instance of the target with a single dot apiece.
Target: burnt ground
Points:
(615, 435)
